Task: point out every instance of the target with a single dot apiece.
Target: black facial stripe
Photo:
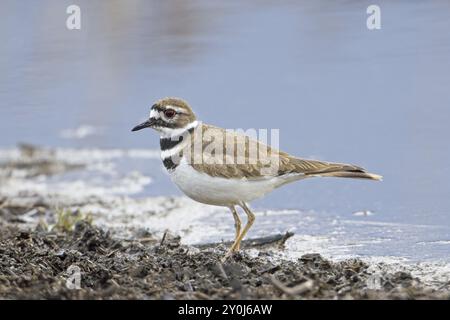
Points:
(169, 143)
(169, 164)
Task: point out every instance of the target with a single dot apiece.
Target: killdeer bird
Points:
(219, 167)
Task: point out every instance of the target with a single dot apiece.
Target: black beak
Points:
(143, 125)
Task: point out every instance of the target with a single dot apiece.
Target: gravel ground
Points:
(37, 265)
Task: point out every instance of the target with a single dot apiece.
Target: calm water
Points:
(336, 91)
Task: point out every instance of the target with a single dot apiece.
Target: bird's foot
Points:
(230, 252)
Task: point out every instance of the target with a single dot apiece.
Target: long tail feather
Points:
(350, 174)
(314, 168)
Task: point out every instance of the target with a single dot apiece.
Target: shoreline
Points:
(48, 225)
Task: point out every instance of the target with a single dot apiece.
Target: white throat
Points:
(169, 132)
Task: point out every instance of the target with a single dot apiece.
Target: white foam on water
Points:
(80, 156)
(434, 274)
(80, 132)
(98, 177)
(179, 215)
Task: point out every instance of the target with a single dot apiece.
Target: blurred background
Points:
(336, 90)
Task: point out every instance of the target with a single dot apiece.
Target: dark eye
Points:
(169, 113)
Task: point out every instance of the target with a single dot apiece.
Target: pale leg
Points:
(237, 225)
(237, 242)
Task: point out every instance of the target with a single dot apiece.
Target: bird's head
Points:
(168, 116)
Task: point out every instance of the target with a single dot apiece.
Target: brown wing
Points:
(229, 154)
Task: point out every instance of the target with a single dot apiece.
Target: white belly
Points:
(222, 191)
